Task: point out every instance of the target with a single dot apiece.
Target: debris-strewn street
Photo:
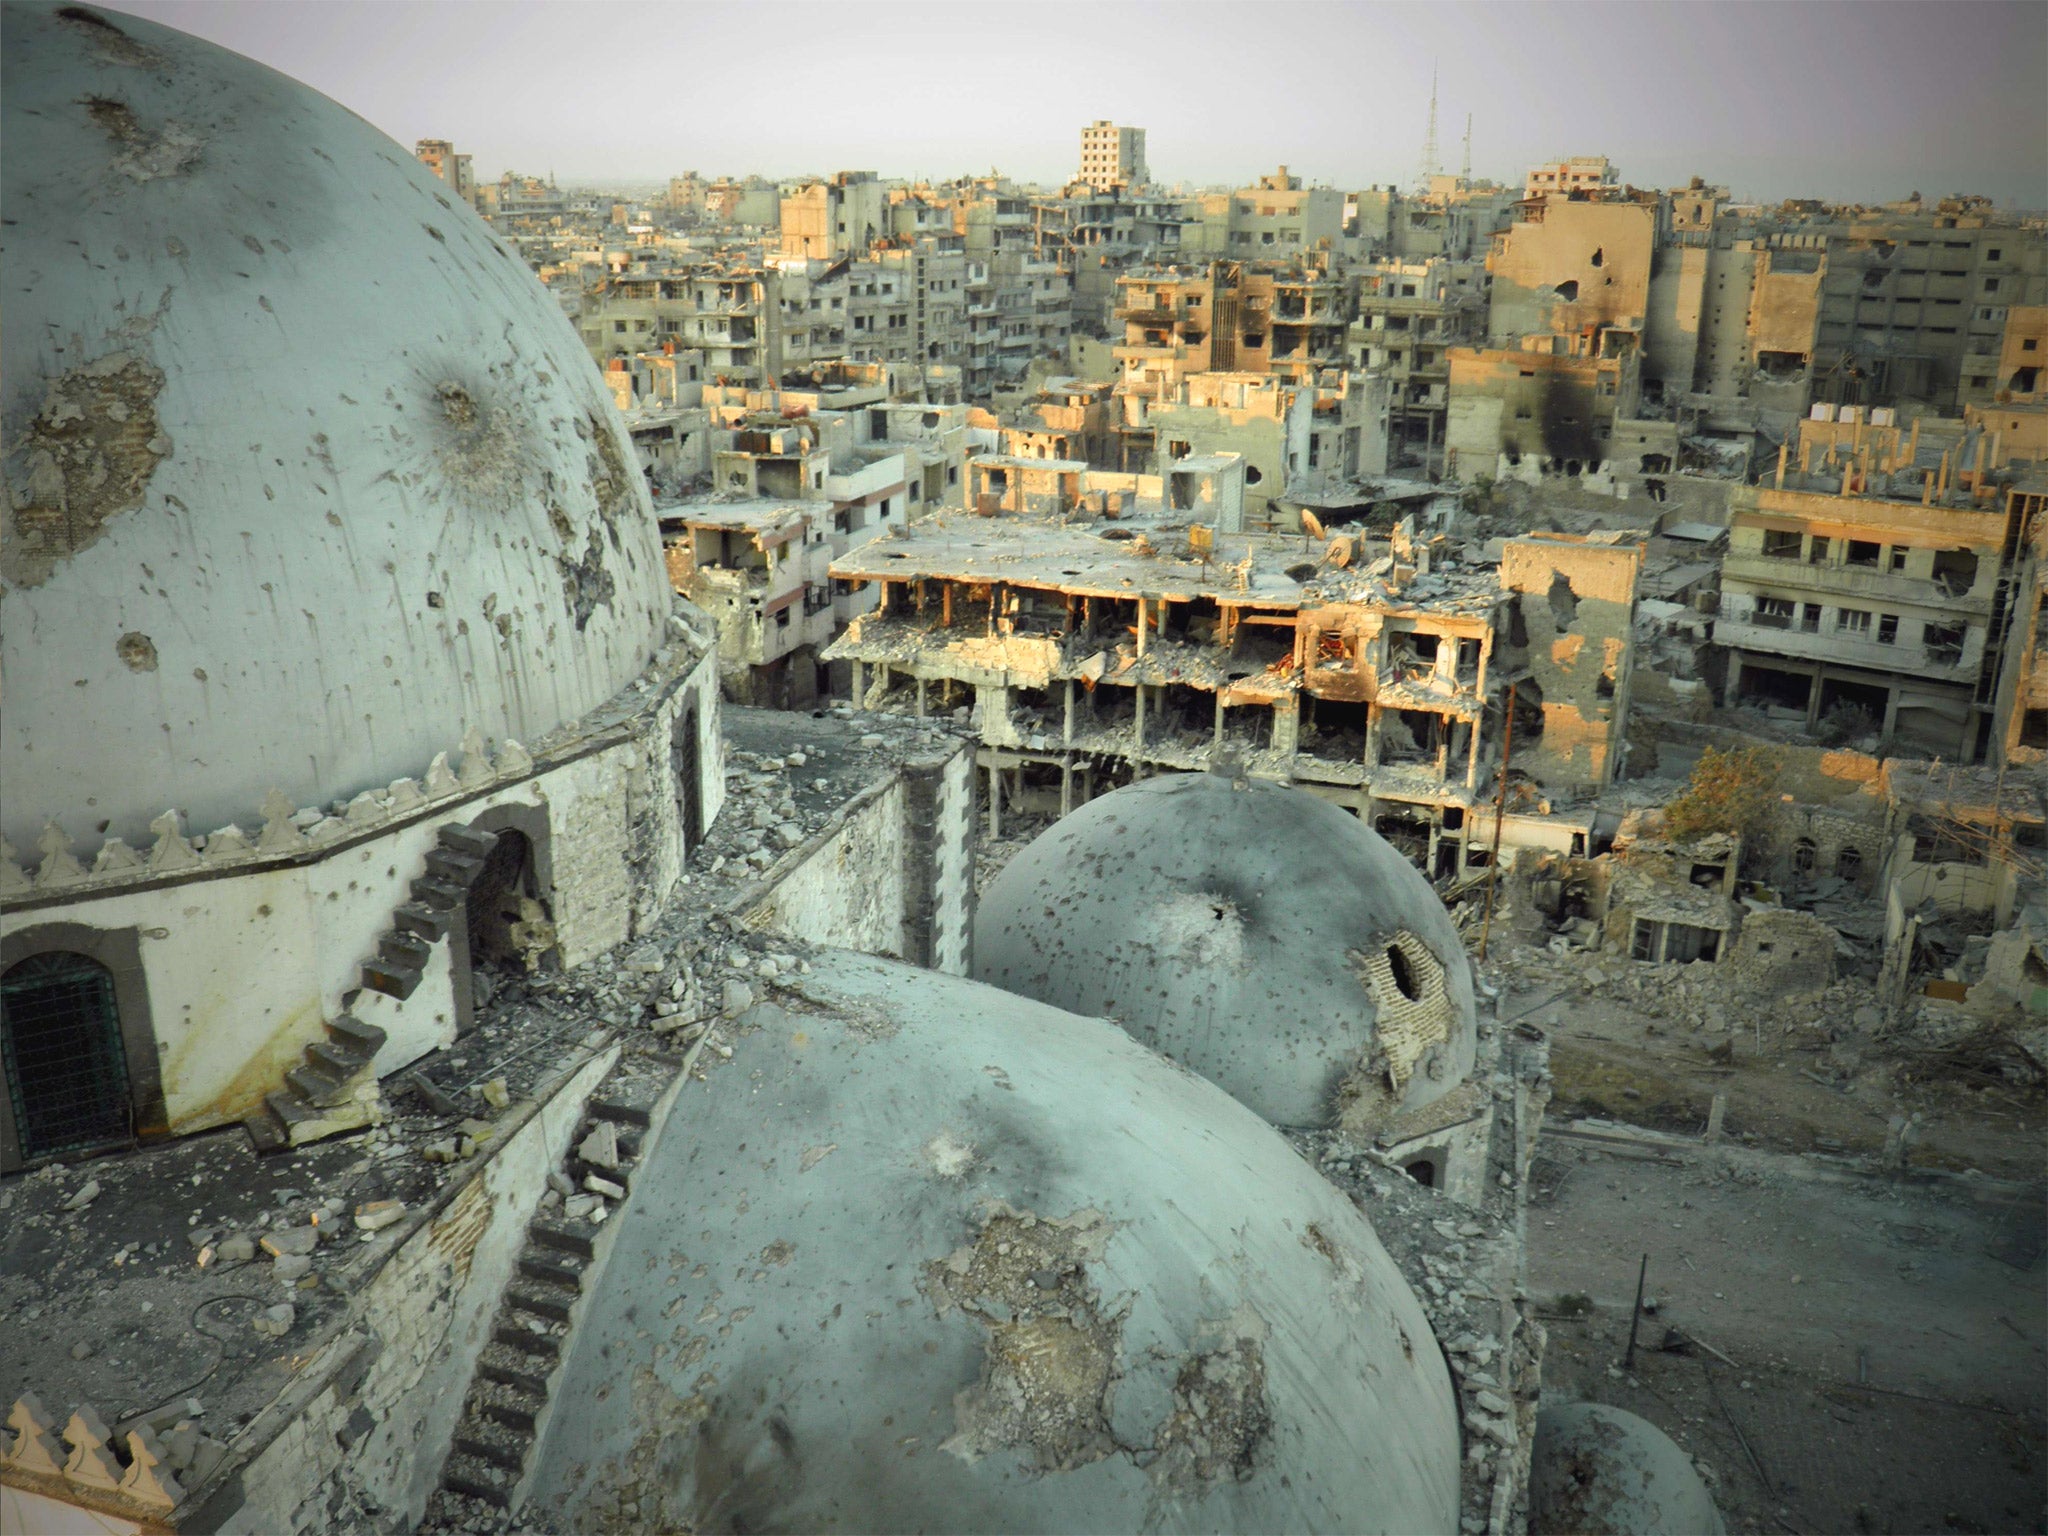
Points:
(1887, 1339)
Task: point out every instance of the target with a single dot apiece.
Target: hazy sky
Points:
(1848, 99)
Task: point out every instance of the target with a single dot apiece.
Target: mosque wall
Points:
(244, 959)
(891, 874)
(380, 1406)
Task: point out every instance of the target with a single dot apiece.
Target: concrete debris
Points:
(376, 1215)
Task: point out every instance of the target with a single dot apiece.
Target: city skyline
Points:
(1342, 97)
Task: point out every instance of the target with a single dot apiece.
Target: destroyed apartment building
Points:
(1092, 646)
(1869, 587)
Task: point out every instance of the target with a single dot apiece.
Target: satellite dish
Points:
(1312, 525)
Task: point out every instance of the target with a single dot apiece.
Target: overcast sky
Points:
(1844, 100)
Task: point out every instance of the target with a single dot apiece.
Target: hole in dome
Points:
(1404, 974)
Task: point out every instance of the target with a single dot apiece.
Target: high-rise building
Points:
(1112, 157)
(439, 156)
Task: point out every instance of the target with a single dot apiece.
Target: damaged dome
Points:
(1599, 1471)
(307, 475)
(927, 1256)
(1263, 937)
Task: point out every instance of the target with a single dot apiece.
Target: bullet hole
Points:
(137, 651)
(457, 404)
(433, 599)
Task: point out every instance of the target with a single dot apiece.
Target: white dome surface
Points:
(936, 1258)
(1263, 937)
(306, 473)
(1601, 1471)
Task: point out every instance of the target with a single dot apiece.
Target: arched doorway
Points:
(498, 900)
(1422, 1171)
(60, 1046)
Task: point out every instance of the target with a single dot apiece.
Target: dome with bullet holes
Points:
(307, 475)
(1260, 935)
(926, 1256)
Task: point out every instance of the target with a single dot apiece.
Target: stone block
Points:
(292, 1242)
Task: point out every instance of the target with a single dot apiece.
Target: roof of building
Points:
(1121, 559)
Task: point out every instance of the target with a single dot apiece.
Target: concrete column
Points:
(1813, 697)
(1891, 707)
(920, 698)
(1067, 725)
(1287, 730)
(995, 802)
(1218, 737)
(1372, 735)
(860, 685)
(1141, 625)
(1066, 788)
(1443, 750)
(1732, 691)
(1138, 696)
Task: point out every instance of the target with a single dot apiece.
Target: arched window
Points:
(60, 1045)
(1803, 853)
(1849, 864)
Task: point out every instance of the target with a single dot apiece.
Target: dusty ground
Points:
(1610, 1061)
(1834, 1295)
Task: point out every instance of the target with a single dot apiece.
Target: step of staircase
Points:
(495, 1442)
(480, 1479)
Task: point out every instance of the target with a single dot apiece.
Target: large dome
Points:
(306, 474)
(927, 1257)
(1265, 938)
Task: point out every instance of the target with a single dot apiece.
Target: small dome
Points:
(1598, 1471)
(1262, 936)
(307, 475)
(929, 1257)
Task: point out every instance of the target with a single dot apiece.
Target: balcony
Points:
(1905, 658)
(1862, 582)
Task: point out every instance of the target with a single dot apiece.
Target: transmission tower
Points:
(1429, 160)
(1465, 168)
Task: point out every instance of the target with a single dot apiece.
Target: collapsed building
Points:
(1092, 650)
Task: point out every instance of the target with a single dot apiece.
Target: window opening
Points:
(60, 1044)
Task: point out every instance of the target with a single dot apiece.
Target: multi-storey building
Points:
(521, 202)
(439, 156)
(1406, 316)
(1870, 587)
(1112, 157)
(1276, 218)
(1096, 643)
(843, 216)
(1581, 174)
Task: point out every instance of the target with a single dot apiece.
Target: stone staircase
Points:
(333, 1089)
(508, 1395)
